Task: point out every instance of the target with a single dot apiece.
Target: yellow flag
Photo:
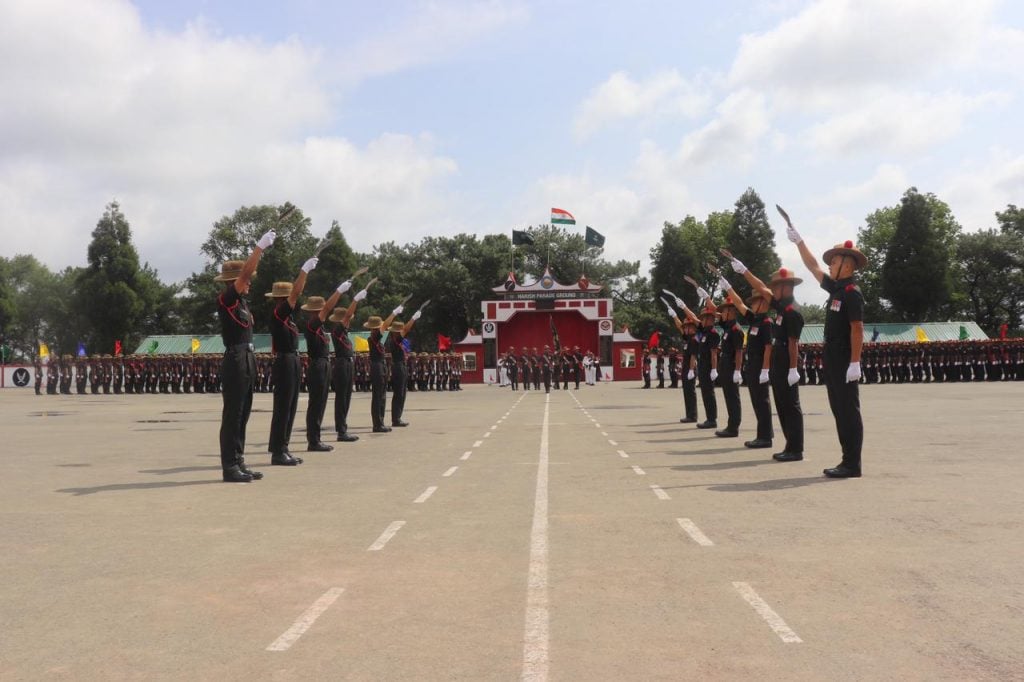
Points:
(360, 344)
(44, 350)
(195, 345)
(921, 336)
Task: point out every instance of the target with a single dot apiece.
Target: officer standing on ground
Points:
(378, 378)
(239, 364)
(844, 336)
(343, 365)
(399, 372)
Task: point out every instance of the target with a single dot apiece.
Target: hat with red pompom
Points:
(847, 249)
(784, 276)
(727, 303)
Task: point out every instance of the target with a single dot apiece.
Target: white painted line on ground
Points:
(773, 619)
(494, 427)
(388, 533)
(597, 425)
(425, 495)
(695, 533)
(662, 495)
(292, 634)
(612, 442)
(535, 634)
(638, 471)
(604, 433)
(622, 454)
(450, 472)
(487, 435)
(465, 455)
(478, 443)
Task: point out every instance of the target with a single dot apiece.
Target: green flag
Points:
(521, 237)
(152, 346)
(594, 238)
(963, 333)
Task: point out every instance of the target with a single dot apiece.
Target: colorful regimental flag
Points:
(963, 333)
(153, 345)
(360, 344)
(44, 350)
(594, 238)
(560, 216)
(81, 350)
(654, 341)
(554, 334)
(117, 347)
(443, 342)
(520, 237)
(875, 334)
(407, 345)
(921, 336)
(195, 345)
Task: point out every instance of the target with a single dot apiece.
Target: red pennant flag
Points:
(654, 341)
(443, 342)
(117, 347)
(1003, 329)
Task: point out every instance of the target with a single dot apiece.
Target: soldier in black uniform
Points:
(37, 368)
(284, 335)
(525, 369)
(344, 369)
(239, 364)
(80, 375)
(688, 361)
(512, 369)
(659, 366)
(377, 377)
(844, 336)
(730, 360)
(65, 377)
(577, 365)
(673, 367)
(318, 350)
(399, 372)
(646, 367)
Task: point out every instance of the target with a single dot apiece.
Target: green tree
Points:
(992, 272)
(918, 269)
(568, 256)
(1011, 220)
(337, 262)
(751, 239)
(874, 239)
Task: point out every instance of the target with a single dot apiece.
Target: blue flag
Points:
(875, 335)
(407, 345)
(81, 350)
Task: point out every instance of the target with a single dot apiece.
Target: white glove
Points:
(680, 303)
(398, 310)
(793, 378)
(736, 378)
(416, 315)
(344, 286)
(267, 240)
(723, 284)
(672, 313)
(704, 295)
(737, 267)
(793, 235)
(360, 295)
(310, 265)
(690, 375)
(714, 375)
(853, 372)
(763, 379)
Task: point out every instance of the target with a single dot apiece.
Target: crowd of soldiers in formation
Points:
(535, 368)
(176, 374)
(902, 362)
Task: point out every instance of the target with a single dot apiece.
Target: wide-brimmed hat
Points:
(230, 270)
(847, 249)
(709, 309)
(755, 297)
(374, 322)
(337, 315)
(396, 326)
(280, 290)
(727, 303)
(313, 304)
(784, 276)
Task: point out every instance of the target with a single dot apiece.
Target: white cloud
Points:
(889, 181)
(980, 188)
(732, 137)
(182, 128)
(621, 97)
(892, 121)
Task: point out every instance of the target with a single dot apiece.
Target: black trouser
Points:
(378, 397)
(526, 379)
(318, 386)
(238, 369)
(731, 392)
(707, 395)
(576, 377)
(342, 393)
(844, 399)
(787, 401)
(762, 405)
(399, 385)
(547, 380)
(513, 377)
(647, 378)
(286, 400)
(690, 396)
(661, 378)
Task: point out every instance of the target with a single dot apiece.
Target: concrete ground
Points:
(589, 536)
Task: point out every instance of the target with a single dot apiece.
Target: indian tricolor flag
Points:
(561, 217)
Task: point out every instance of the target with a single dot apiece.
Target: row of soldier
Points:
(547, 367)
(177, 374)
(883, 362)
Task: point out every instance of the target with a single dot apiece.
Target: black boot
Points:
(235, 475)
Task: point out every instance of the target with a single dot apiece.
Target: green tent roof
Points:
(181, 344)
(899, 331)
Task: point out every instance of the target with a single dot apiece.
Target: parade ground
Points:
(585, 535)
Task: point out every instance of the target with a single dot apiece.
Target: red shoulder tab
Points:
(789, 308)
(852, 287)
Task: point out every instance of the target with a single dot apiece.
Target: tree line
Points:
(922, 267)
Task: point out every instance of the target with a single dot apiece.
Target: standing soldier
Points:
(37, 367)
(646, 367)
(759, 359)
(730, 360)
(344, 364)
(708, 341)
(52, 372)
(659, 366)
(512, 366)
(844, 336)
(524, 368)
(65, 378)
(81, 370)
(284, 335)
(673, 367)
(399, 372)
(688, 359)
(239, 364)
(377, 377)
